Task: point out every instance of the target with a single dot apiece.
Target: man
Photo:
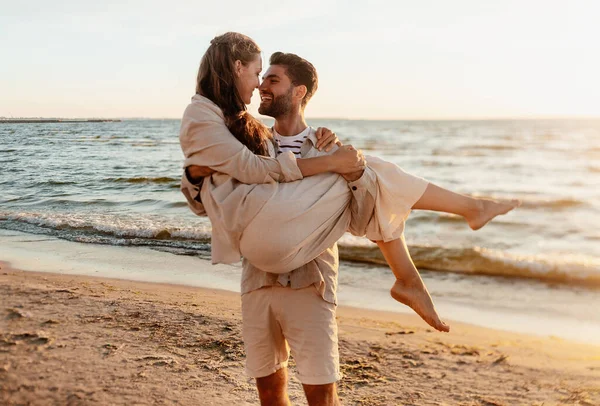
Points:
(304, 315)
(296, 310)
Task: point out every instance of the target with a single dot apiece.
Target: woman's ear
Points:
(238, 68)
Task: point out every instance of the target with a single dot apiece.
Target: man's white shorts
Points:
(275, 316)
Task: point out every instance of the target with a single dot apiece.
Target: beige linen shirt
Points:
(321, 271)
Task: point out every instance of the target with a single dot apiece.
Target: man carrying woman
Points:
(286, 231)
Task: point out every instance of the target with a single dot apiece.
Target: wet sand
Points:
(80, 340)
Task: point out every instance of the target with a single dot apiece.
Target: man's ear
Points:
(238, 68)
(300, 91)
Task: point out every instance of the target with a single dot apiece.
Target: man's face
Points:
(276, 92)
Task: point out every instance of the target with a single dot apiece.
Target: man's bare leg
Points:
(272, 389)
(409, 287)
(322, 395)
(478, 212)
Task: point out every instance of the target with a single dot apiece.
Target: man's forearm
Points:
(314, 166)
(344, 160)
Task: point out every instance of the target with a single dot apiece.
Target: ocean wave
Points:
(175, 204)
(142, 179)
(91, 139)
(576, 270)
(59, 182)
(187, 239)
(495, 147)
(454, 218)
(76, 226)
(537, 202)
(62, 200)
(463, 152)
(557, 204)
(437, 163)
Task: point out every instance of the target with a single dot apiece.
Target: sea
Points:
(536, 269)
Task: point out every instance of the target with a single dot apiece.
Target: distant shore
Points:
(57, 120)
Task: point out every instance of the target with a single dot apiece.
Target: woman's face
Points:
(248, 77)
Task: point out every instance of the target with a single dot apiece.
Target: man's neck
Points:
(291, 124)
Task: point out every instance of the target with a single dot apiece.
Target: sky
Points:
(460, 59)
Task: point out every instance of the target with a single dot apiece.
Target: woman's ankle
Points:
(409, 281)
(476, 207)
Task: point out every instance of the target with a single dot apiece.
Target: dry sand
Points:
(79, 340)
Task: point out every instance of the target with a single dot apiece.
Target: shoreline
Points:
(93, 340)
(505, 311)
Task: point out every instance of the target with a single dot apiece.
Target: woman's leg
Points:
(478, 212)
(409, 287)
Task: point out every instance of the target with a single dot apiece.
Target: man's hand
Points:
(195, 173)
(326, 139)
(347, 160)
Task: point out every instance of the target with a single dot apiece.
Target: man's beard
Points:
(279, 106)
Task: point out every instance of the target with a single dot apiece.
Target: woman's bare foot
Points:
(414, 294)
(487, 209)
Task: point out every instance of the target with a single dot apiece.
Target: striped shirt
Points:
(291, 143)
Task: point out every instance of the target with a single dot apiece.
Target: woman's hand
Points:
(326, 139)
(347, 159)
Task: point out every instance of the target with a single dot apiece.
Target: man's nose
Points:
(262, 85)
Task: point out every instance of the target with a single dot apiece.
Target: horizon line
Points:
(517, 118)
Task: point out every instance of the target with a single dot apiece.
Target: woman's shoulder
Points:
(202, 108)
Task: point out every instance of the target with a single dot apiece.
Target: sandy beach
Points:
(108, 291)
(81, 340)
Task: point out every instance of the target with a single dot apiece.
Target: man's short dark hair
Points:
(300, 72)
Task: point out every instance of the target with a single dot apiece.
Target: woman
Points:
(240, 211)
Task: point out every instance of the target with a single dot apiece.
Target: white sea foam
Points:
(121, 226)
(555, 268)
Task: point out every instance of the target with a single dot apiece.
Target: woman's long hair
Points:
(216, 81)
